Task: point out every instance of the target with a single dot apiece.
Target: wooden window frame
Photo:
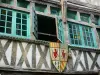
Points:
(13, 27)
(82, 36)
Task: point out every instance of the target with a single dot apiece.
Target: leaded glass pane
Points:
(71, 14)
(74, 33)
(84, 17)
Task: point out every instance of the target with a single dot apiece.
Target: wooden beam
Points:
(63, 10)
(46, 34)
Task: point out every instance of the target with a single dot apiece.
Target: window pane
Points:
(3, 11)
(9, 24)
(18, 32)
(18, 20)
(3, 17)
(40, 7)
(22, 3)
(55, 11)
(2, 23)
(6, 1)
(24, 27)
(18, 15)
(9, 18)
(2, 29)
(8, 30)
(9, 13)
(71, 14)
(24, 21)
(24, 33)
(84, 17)
(18, 26)
(24, 16)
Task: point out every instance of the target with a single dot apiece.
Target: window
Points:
(98, 31)
(74, 34)
(47, 28)
(21, 24)
(14, 23)
(7, 1)
(85, 17)
(71, 14)
(80, 35)
(88, 37)
(23, 3)
(96, 19)
(5, 21)
(55, 11)
(40, 7)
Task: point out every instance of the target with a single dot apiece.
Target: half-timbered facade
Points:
(50, 37)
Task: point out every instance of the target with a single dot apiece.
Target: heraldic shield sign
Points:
(59, 55)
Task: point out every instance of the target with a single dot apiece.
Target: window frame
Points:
(81, 36)
(13, 27)
(88, 15)
(76, 16)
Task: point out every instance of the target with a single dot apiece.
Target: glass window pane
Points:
(18, 32)
(84, 17)
(9, 18)
(40, 7)
(9, 13)
(8, 30)
(3, 11)
(72, 41)
(2, 23)
(3, 17)
(19, 15)
(76, 41)
(22, 3)
(55, 11)
(24, 33)
(71, 14)
(24, 27)
(9, 24)
(18, 26)
(24, 21)
(24, 16)
(2, 29)
(18, 20)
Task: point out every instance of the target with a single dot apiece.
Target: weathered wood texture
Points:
(22, 56)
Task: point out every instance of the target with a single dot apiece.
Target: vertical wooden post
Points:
(15, 3)
(63, 9)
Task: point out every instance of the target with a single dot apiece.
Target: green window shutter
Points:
(60, 34)
(35, 24)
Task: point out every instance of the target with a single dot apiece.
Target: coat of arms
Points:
(59, 55)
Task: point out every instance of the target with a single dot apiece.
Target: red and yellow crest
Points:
(59, 55)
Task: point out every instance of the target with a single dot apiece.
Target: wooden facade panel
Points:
(83, 61)
(23, 55)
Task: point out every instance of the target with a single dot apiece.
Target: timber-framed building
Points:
(29, 28)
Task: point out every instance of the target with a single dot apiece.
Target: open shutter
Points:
(35, 24)
(60, 30)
